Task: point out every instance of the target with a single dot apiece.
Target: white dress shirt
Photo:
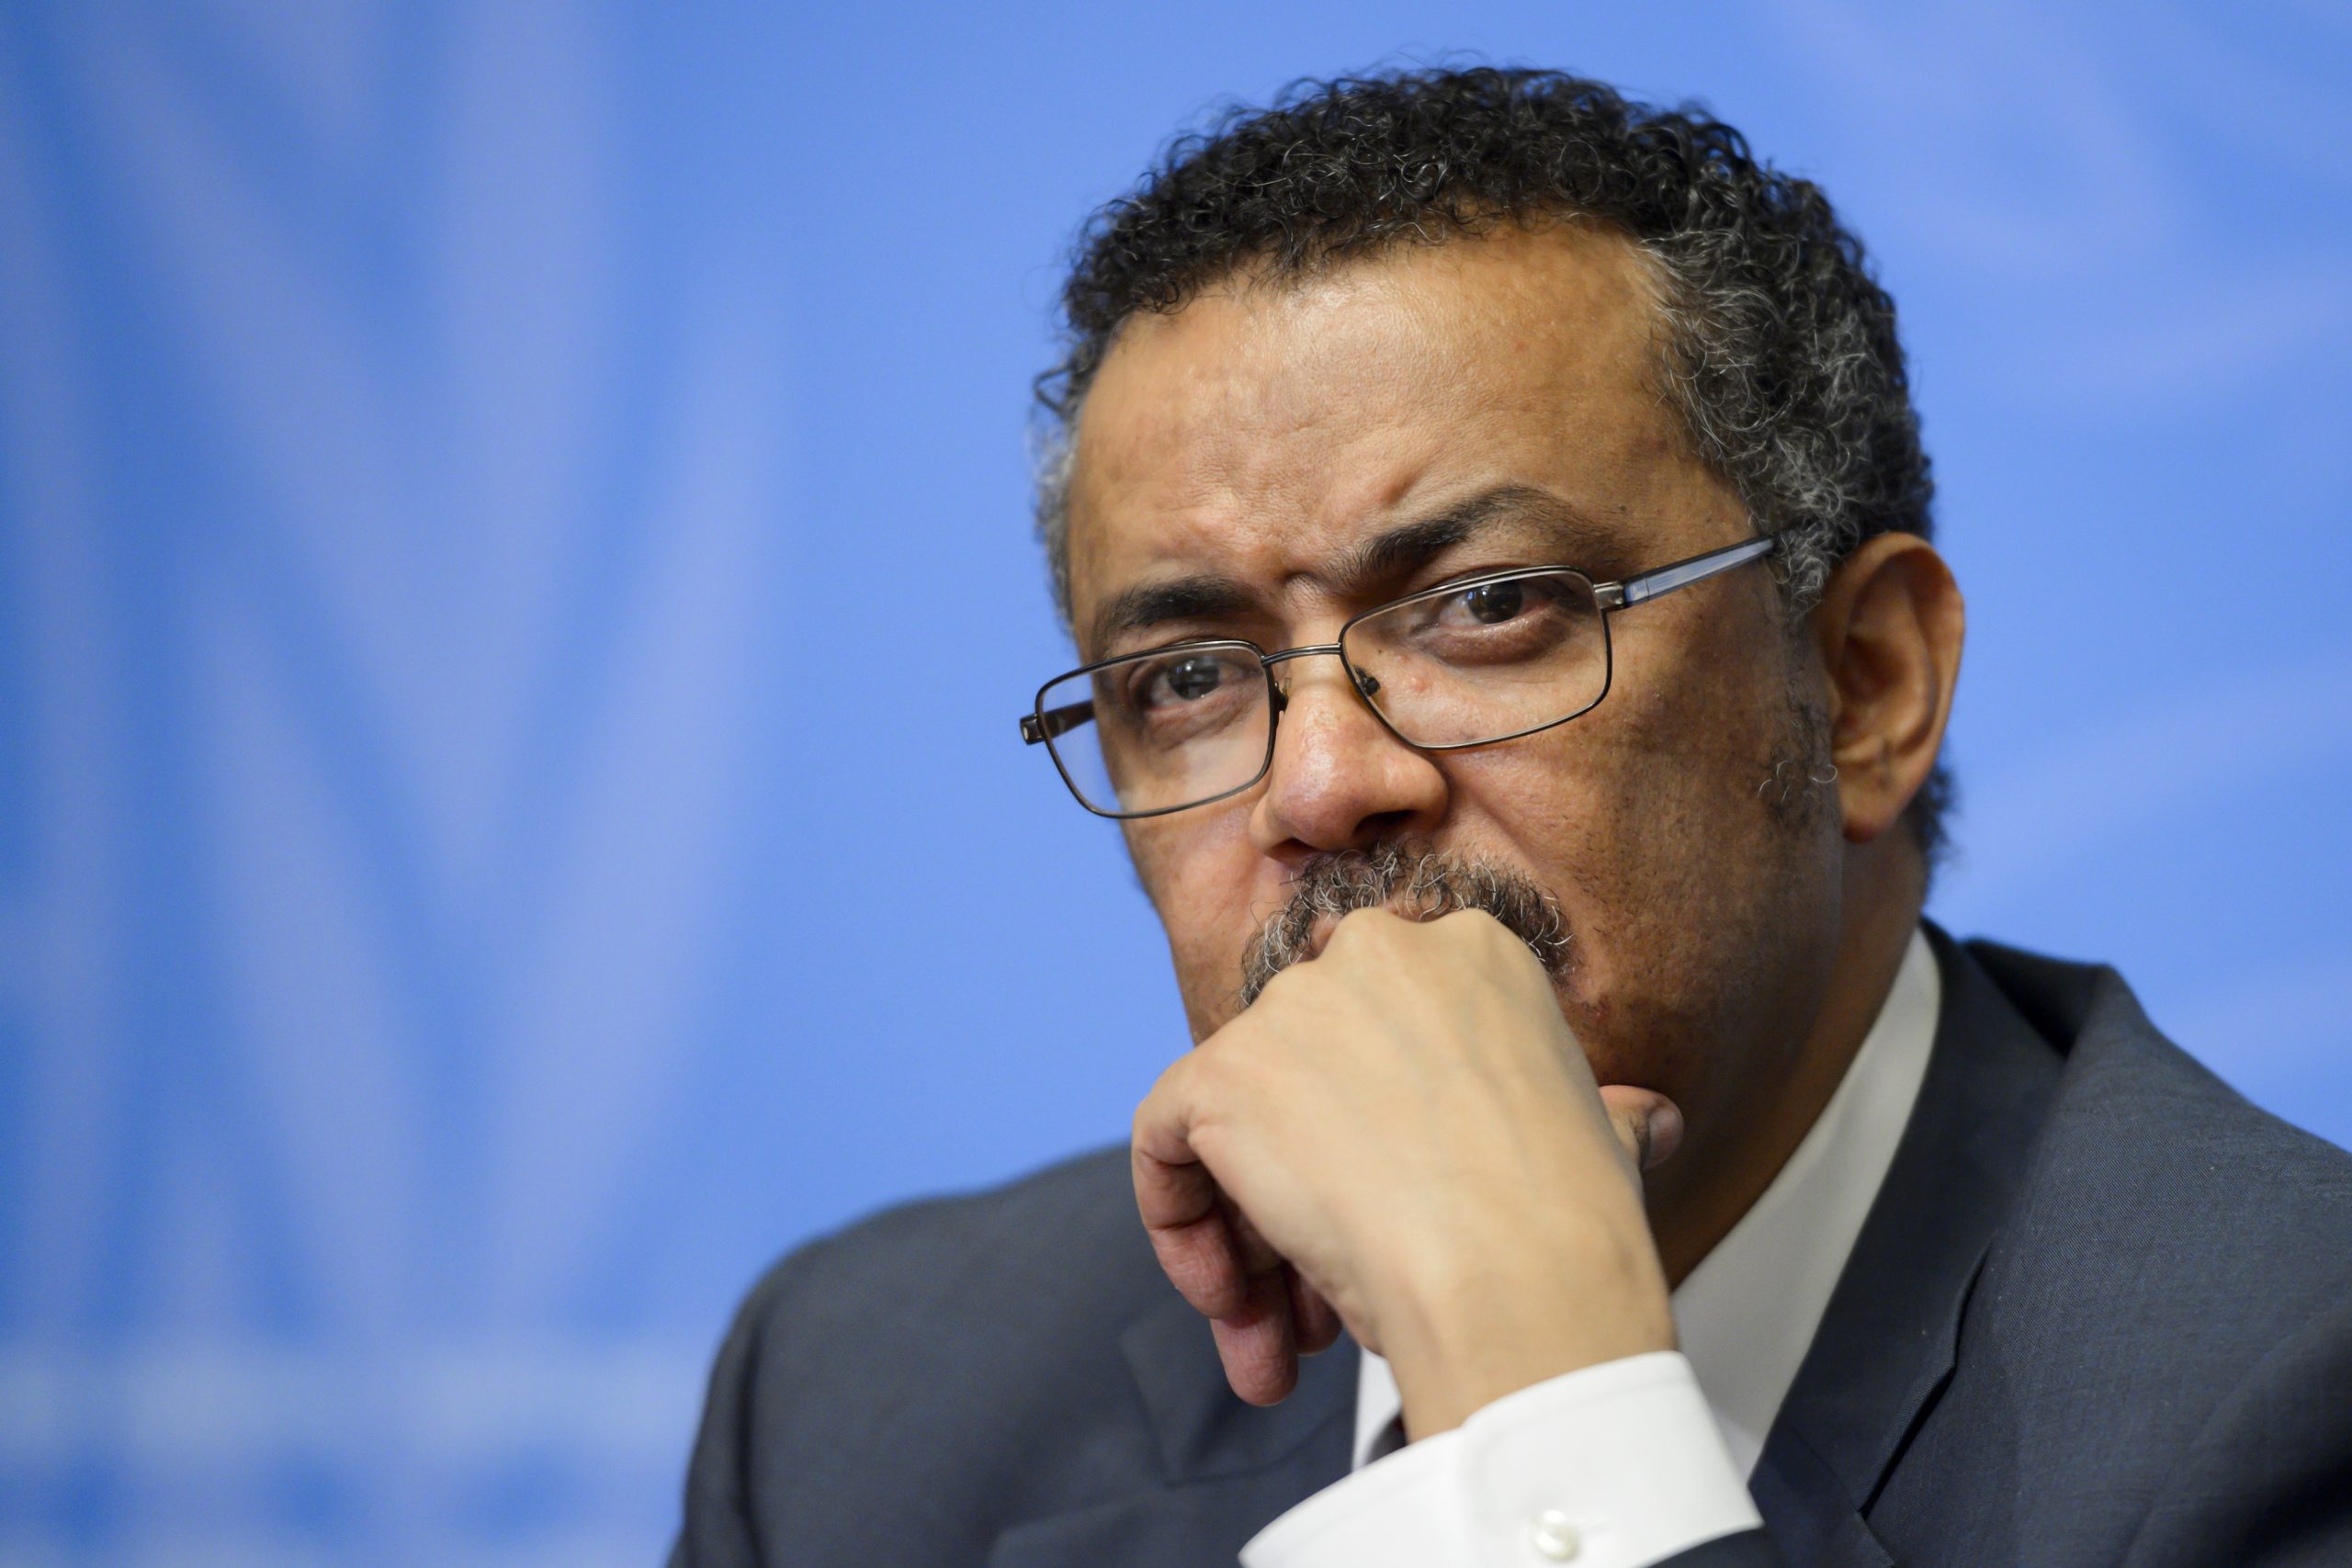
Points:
(1629, 1462)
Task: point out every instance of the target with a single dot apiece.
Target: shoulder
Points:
(1000, 1260)
(2158, 1343)
(2141, 1133)
(892, 1391)
(2160, 1208)
(961, 1351)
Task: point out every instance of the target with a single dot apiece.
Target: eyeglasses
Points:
(1488, 659)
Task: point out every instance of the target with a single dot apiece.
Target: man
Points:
(1494, 528)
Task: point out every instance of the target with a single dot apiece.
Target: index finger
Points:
(1179, 1201)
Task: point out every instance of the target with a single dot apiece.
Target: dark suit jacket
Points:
(2101, 1313)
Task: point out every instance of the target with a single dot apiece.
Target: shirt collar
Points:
(1747, 1312)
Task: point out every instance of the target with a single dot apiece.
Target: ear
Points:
(1888, 631)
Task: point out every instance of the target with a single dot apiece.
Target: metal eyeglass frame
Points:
(1041, 725)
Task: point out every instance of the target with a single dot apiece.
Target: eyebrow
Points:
(1204, 596)
(1384, 558)
(1399, 551)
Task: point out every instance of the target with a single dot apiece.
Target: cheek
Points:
(1690, 728)
(1201, 873)
(1642, 818)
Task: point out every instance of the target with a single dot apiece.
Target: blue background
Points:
(514, 585)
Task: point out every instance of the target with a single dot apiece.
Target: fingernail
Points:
(1664, 1130)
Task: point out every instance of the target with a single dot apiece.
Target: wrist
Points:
(1464, 1331)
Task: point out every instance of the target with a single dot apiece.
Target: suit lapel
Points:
(1227, 1468)
(1888, 1340)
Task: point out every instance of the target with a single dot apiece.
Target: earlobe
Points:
(1889, 630)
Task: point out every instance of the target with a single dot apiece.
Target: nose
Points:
(1340, 780)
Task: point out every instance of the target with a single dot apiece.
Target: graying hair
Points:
(1413, 880)
(1778, 351)
(1792, 481)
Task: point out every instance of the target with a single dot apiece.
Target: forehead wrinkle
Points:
(1224, 456)
(1354, 572)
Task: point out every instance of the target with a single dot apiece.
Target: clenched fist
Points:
(1403, 1137)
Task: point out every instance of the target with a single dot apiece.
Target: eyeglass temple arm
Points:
(1681, 573)
(1037, 727)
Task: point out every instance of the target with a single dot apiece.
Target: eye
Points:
(1494, 603)
(1189, 680)
(1486, 605)
(1195, 678)
(1498, 622)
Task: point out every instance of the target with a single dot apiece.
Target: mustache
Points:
(1421, 882)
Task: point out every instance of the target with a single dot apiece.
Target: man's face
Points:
(1263, 435)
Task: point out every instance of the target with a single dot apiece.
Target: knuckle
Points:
(1217, 1074)
(1459, 921)
(1282, 985)
(1506, 946)
(1202, 1068)
(1367, 926)
(1143, 1132)
(1174, 1085)
(1482, 926)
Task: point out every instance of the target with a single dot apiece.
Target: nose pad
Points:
(1365, 683)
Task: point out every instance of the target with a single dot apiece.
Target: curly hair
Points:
(1780, 354)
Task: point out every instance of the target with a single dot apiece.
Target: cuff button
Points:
(1555, 1536)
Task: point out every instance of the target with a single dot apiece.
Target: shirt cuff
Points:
(1615, 1466)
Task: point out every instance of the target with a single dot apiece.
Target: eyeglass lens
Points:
(1453, 667)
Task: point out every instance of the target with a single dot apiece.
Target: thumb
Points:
(1648, 1125)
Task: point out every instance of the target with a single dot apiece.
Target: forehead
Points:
(1264, 426)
